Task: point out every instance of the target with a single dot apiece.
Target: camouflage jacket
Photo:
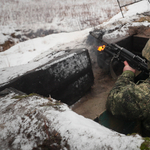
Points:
(130, 100)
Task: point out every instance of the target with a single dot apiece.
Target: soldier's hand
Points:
(127, 67)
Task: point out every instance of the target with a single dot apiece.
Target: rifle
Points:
(121, 54)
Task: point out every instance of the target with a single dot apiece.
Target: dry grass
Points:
(76, 13)
(142, 19)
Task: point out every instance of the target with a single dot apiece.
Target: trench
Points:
(85, 87)
(92, 105)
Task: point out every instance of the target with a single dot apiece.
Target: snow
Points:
(3, 38)
(27, 51)
(29, 116)
(31, 54)
(92, 135)
(80, 132)
(132, 10)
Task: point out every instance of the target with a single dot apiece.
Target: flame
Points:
(101, 48)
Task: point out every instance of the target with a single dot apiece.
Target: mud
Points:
(93, 103)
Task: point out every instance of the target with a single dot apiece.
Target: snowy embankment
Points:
(33, 121)
(28, 55)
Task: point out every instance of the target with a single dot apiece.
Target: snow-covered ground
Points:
(28, 55)
(22, 19)
(58, 15)
(80, 133)
(27, 122)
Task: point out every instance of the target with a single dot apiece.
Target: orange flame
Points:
(101, 48)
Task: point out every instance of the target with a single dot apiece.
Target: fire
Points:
(101, 48)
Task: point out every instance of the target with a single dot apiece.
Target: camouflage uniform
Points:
(130, 100)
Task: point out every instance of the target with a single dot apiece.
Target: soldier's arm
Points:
(128, 99)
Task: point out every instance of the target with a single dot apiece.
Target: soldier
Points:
(130, 100)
